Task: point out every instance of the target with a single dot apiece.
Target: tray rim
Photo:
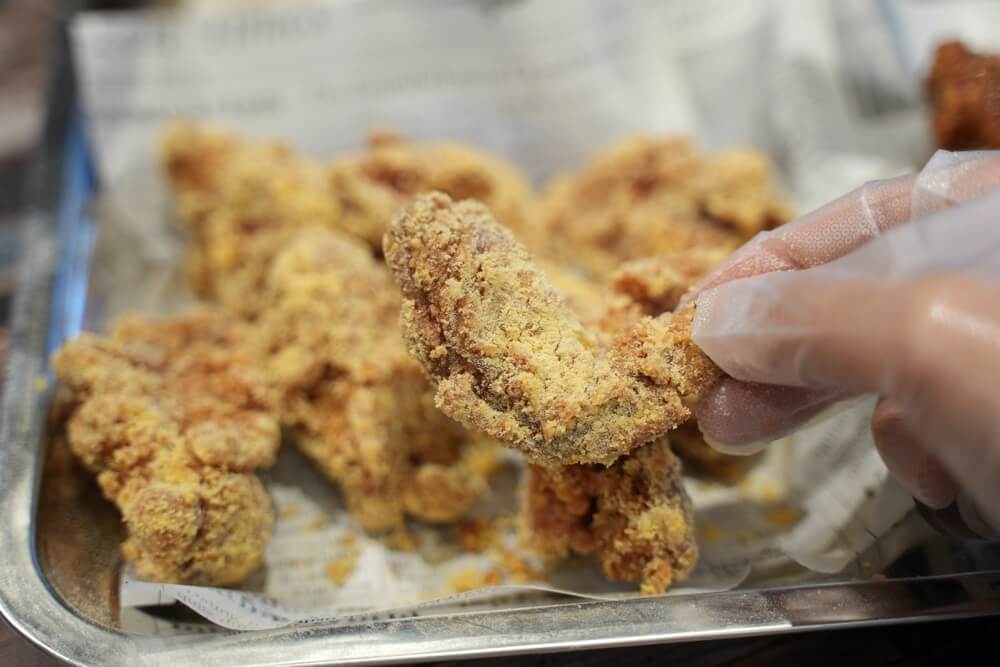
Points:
(50, 266)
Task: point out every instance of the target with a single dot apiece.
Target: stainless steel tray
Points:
(59, 539)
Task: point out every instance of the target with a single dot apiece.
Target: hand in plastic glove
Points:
(855, 298)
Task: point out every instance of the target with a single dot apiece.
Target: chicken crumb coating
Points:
(633, 517)
(173, 416)
(374, 184)
(241, 201)
(358, 405)
(510, 358)
(651, 286)
(646, 196)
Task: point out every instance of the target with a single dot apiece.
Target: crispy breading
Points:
(646, 196)
(358, 404)
(173, 416)
(373, 185)
(510, 358)
(633, 517)
(651, 286)
(240, 201)
(658, 282)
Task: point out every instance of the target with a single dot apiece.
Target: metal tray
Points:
(59, 540)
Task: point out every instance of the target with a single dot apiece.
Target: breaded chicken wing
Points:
(358, 404)
(510, 358)
(173, 416)
(633, 517)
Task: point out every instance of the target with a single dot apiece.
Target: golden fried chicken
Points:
(510, 358)
(633, 517)
(655, 285)
(173, 416)
(964, 90)
(373, 185)
(358, 404)
(648, 197)
(240, 201)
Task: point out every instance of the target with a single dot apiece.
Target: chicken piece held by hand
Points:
(510, 358)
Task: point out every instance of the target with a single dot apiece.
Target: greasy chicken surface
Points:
(964, 88)
(510, 358)
(633, 517)
(173, 416)
(241, 201)
(358, 404)
(648, 196)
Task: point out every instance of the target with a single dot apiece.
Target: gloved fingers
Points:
(978, 521)
(953, 178)
(931, 344)
(818, 237)
(909, 461)
(742, 418)
(943, 375)
(836, 324)
(961, 519)
(847, 223)
(798, 329)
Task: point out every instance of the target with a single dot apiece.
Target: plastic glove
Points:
(850, 300)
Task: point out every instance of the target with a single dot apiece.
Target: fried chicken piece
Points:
(649, 287)
(173, 416)
(510, 358)
(633, 517)
(372, 186)
(598, 308)
(649, 197)
(358, 404)
(655, 285)
(240, 201)
(444, 491)
(964, 90)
